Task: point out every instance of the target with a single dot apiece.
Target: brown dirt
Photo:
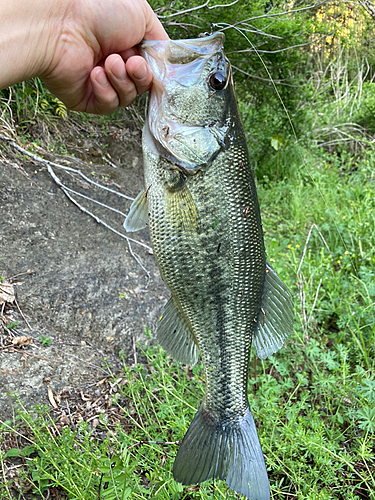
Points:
(68, 270)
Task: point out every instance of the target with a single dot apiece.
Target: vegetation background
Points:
(304, 78)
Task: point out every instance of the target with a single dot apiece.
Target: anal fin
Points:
(174, 335)
(275, 321)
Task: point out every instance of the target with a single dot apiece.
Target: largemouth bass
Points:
(201, 206)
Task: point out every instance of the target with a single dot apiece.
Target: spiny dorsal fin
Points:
(275, 321)
(174, 336)
(137, 217)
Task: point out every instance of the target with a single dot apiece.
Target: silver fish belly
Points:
(201, 206)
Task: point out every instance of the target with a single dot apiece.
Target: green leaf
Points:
(366, 419)
(13, 452)
(28, 450)
(13, 324)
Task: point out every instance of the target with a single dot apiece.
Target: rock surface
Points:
(78, 286)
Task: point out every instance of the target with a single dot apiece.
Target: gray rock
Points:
(68, 272)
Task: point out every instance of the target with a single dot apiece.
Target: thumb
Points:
(154, 29)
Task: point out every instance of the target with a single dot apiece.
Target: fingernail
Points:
(118, 69)
(101, 78)
(140, 71)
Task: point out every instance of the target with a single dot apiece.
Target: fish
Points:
(201, 207)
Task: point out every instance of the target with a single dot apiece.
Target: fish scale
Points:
(201, 206)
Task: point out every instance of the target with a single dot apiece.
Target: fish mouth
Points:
(176, 125)
(183, 51)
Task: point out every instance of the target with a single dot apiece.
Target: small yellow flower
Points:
(297, 246)
(289, 246)
(346, 253)
(343, 217)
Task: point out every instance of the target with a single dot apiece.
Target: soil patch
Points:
(82, 294)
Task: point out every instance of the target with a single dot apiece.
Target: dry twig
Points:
(67, 191)
(301, 285)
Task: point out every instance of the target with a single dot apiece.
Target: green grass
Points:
(322, 242)
(313, 402)
(314, 411)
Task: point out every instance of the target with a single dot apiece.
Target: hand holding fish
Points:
(83, 50)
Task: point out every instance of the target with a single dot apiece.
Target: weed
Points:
(13, 324)
(312, 407)
(46, 341)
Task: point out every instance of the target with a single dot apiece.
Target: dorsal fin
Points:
(275, 321)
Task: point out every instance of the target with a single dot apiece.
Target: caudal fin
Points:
(225, 451)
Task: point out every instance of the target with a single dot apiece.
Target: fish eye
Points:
(217, 81)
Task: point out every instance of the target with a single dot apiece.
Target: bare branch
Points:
(301, 284)
(192, 9)
(67, 192)
(369, 7)
(182, 12)
(251, 49)
(281, 82)
(223, 6)
(68, 169)
(18, 307)
(88, 198)
(279, 13)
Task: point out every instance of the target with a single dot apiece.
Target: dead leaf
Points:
(64, 419)
(6, 293)
(22, 341)
(85, 397)
(51, 398)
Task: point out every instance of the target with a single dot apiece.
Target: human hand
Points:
(83, 50)
(95, 66)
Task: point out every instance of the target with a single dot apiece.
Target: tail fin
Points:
(229, 451)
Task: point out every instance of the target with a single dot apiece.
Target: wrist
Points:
(29, 32)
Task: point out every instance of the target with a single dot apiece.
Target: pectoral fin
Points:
(137, 217)
(180, 208)
(275, 321)
(174, 336)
